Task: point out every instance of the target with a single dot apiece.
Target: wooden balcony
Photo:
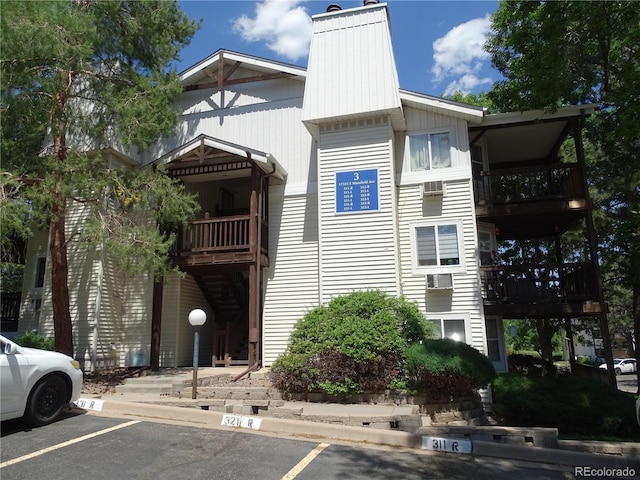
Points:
(530, 202)
(518, 291)
(219, 240)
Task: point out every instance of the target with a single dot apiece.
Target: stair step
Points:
(151, 389)
(150, 380)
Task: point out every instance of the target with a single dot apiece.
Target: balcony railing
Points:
(218, 235)
(529, 183)
(10, 314)
(548, 283)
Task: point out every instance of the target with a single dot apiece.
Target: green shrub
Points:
(575, 406)
(583, 360)
(446, 369)
(355, 343)
(34, 340)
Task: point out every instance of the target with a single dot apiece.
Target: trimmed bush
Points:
(575, 406)
(34, 340)
(445, 369)
(356, 343)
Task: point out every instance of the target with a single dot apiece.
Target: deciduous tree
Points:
(554, 53)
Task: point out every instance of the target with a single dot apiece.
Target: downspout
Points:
(258, 364)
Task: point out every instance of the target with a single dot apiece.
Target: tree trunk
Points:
(59, 279)
(156, 323)
(62, 326)
(545, 333)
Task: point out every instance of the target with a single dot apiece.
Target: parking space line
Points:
(66, 444)
(302, 464)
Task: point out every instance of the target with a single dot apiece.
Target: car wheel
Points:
(46, 401)
(618, 371)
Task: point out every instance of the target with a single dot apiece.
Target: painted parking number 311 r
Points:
(453, 445)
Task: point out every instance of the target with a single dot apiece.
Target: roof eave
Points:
(263, 64)
(471, 113)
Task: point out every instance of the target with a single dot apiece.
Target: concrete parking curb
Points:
(363, 435)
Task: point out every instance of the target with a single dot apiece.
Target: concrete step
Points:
(239, 393)
(151, 380)
(151, 389)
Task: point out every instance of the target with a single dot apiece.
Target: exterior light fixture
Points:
(197, 318)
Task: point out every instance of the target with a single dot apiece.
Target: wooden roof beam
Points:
(237, 81)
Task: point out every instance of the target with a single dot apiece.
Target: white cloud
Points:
(460, 54)
(466, 84)
(284, 25)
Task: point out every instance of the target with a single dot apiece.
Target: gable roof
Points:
(211, 67)
(265, 161)
(205, 74)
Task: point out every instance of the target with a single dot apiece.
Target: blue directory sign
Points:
(357, 191)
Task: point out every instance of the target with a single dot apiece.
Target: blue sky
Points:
(437, 44)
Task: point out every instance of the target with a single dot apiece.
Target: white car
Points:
(36, 384)
(622, 365)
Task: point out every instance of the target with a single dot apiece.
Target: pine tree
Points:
(79, 78)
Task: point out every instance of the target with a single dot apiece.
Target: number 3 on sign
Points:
(356, 176)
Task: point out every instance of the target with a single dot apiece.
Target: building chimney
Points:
(351, 71)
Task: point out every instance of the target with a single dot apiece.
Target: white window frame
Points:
(41, 260)
(425, 269)
(488, 229)
(500, 364)
(429, 134)
(444, 317)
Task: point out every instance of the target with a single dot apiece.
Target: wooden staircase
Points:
(228, 296)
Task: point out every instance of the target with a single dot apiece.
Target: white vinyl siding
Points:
(455, 207)
(429, 151)
(291, 280)
(179, 297)
(357, 251)
(32, 298)
(425, 125)
(265, 116)
(464, 300)
(351, 81)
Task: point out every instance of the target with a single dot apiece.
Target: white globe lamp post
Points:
(197, 317)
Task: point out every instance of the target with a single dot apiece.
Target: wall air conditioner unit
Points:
(440, 281)
(433, 189)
